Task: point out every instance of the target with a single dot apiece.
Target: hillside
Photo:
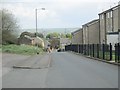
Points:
(49, 30)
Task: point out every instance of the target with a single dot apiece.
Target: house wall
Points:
(64, 41)
(115, 20)
(81, 36)
(109, 22)
(102, 27)
(119, 17)
(77, 37)
(93, 33)
(85, 34)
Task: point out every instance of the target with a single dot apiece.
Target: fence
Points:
(102, 51)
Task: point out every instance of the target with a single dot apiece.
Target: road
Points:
(66, 70)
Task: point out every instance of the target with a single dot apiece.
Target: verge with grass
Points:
(0, 48)
(22, 49)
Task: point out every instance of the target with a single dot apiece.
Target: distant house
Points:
(55, 42)
(91, 32)
(25, 40)
(31, 41)
(46, 43)
(88, 34)
(77, 36)
(64, 41)
(109, 25)
(38, 41)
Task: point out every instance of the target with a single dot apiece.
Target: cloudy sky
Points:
(57, 13)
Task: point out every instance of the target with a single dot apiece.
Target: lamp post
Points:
(36, 23)
(36, 17)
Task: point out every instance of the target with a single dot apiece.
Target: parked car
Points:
(60, 50)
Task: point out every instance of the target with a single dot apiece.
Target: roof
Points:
(77, 30)
(109, 9)
(95, 20)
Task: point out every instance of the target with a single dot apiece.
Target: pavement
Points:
(27, 72)
(8, 60)
(64, 70)
(34, 62)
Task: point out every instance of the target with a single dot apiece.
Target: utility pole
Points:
(36, 17)
(36, 21)
(36, 25)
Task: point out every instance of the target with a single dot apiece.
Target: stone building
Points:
(27, 40)
(109, 24)
(77, 37)
(64, 42)
(91, 32)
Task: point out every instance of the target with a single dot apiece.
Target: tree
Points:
(68, 35)
(0, 27)
(55, 43)
(9, 26)
(53, 35)
(62, 35)
(39, 35)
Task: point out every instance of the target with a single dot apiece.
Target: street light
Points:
(36, 22)
(36, 18)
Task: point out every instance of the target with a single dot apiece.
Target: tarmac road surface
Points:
(66, 70)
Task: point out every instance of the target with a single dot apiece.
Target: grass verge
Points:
(0, 48)
(22, 49)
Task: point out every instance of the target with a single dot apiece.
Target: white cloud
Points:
(25, 9)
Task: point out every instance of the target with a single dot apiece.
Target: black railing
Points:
(102, 51)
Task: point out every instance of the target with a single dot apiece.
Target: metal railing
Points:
(103, 51)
